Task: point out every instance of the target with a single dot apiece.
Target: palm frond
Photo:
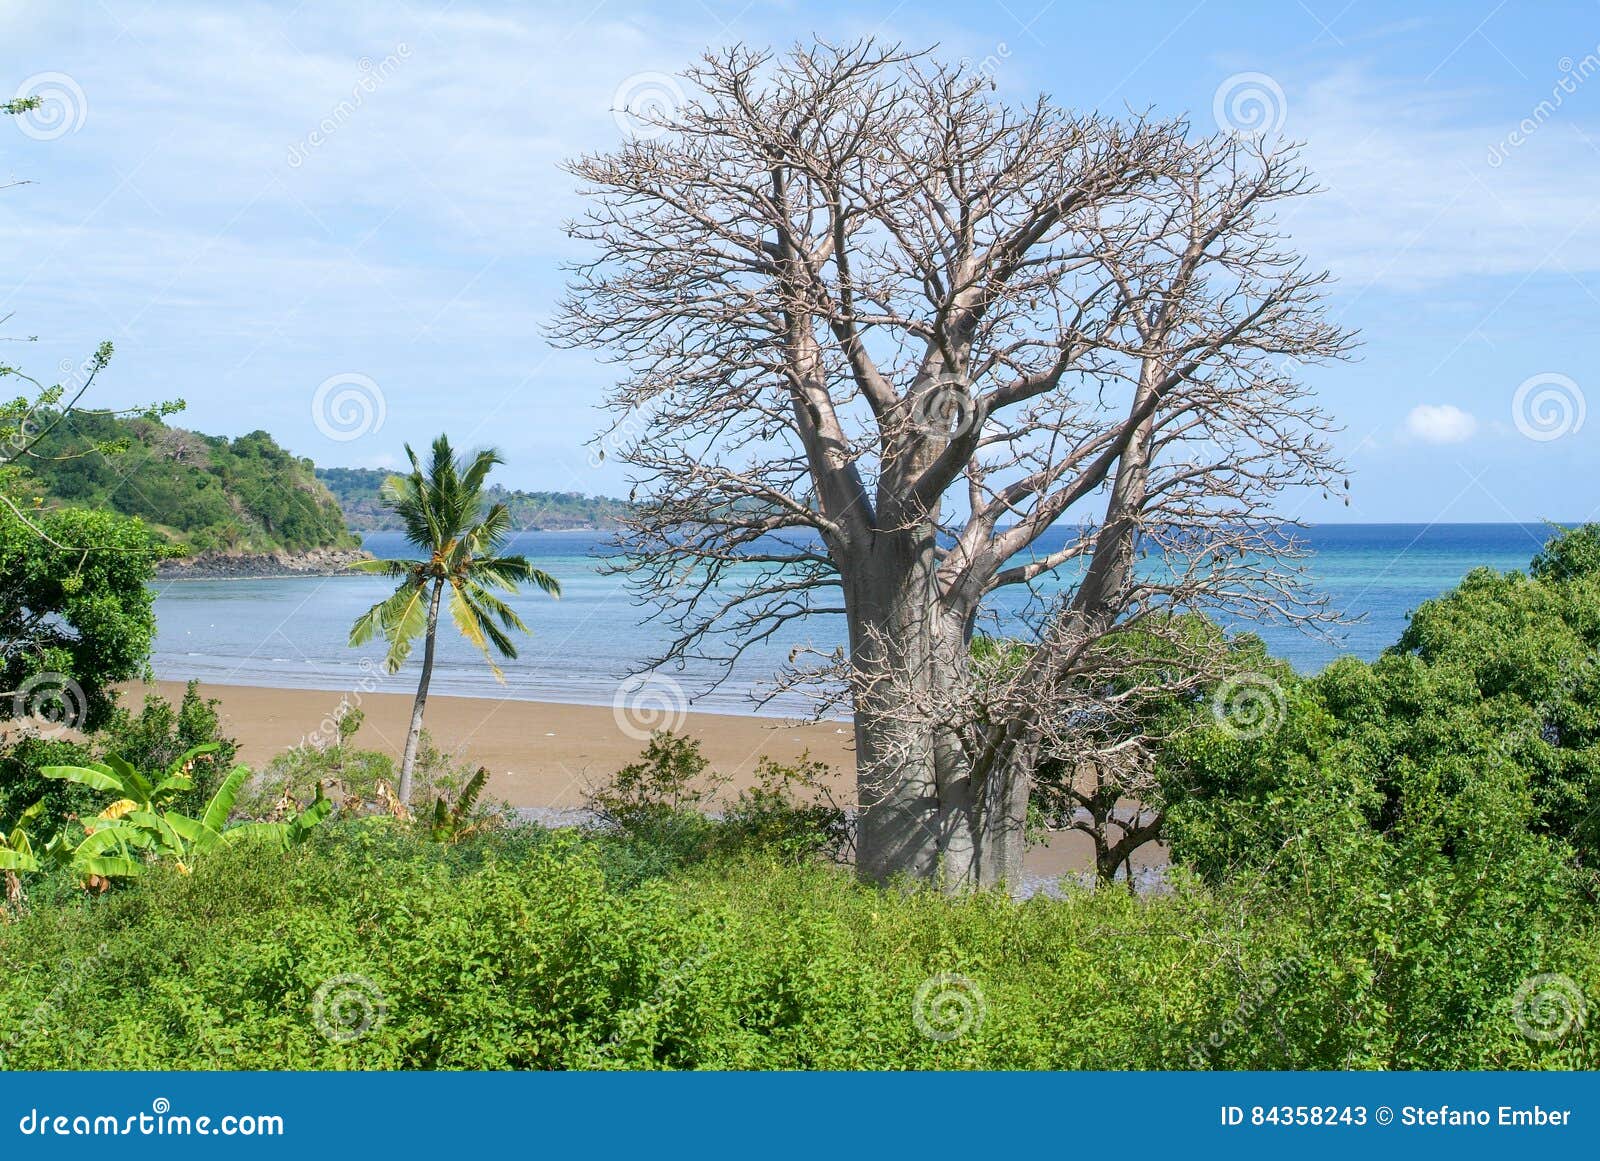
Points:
(508, 573)
(440, 504)
(487, 602)
(388, 567)
(477, 628)
(399, 618)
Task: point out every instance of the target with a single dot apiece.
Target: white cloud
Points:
(1441, 423)
(1417, 189)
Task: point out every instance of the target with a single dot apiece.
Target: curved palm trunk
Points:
(408, 761)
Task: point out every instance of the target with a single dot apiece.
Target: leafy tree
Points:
(359, 492)
(1482, 720)
(442, 511)
(1100, 774)
(75, 620)
(882, 333)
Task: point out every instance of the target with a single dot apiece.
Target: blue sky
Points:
(180, 206)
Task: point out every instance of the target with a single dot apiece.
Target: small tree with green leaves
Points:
(442, 511)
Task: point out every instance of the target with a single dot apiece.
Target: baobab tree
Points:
(879, 333)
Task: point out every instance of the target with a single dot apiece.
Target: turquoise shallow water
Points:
(292, 632)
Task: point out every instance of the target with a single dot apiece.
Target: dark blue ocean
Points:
(293, 632)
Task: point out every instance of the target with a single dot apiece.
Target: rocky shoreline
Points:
(261, 565)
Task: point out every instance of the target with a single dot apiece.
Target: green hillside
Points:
(357, 491)
(205, 492)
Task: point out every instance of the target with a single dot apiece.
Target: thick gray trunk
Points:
(408, 760)
(923, 816)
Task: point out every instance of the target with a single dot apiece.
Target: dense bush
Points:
(1384, 866)
(76, 616)
(1430, 818)
(670, 808)
(149, 739)
(1476, 734)
(368, 949)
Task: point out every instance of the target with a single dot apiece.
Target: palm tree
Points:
(442, 512)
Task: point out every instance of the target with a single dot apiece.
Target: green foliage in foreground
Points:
(138, 827)
(76, 616)
(207, 492)
(1474, 742)
(149, 739)
(368, 948)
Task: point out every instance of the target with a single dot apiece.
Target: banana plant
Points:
(134, 791)
(138, 822)
(449, 823)
(16, 848)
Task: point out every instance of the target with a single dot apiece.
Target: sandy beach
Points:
(544, 754)
(538, 753)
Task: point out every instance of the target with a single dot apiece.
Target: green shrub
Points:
(669, 809)
(366, 948)
(150, 740)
